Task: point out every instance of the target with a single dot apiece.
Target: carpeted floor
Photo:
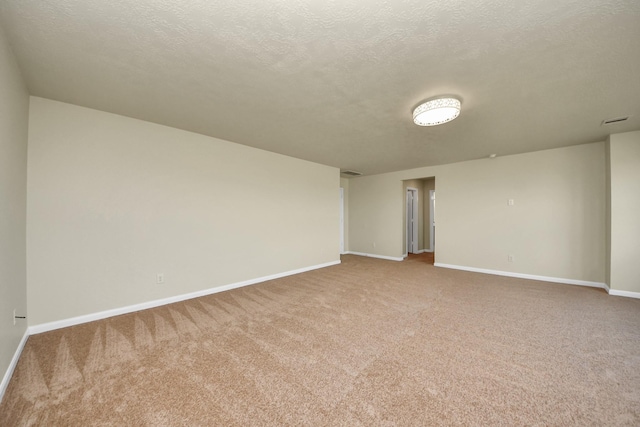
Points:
(367, 342)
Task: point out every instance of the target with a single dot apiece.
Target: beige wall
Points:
(376, 215)
(624, 238)
(344, 184)
(556, 227)
(14, 114)
(112, 201)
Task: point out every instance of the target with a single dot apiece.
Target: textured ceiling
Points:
(334, 81)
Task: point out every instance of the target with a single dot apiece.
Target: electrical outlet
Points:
(511, 202)
(510, 258)
(160, 278)
(374, 244)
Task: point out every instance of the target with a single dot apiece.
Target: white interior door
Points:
(341, 220)
(412, 220)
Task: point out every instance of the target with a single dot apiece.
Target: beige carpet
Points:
(367, 342)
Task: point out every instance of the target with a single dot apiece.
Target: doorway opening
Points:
(419, 217)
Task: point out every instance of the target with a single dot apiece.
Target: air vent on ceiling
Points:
(616, 120)
(350, 173)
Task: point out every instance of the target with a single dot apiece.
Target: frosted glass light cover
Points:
(436, 112)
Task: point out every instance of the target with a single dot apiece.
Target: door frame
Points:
(413, 220)
(432, 220)
(341, 220)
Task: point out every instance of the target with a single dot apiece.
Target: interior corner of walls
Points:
(14, 132)
(13, 363)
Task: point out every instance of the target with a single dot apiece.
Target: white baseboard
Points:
(390, 258)
(627, 294)
(618, 293)
(50, 326)
(419, 252)
(12, 366)
(526, 276)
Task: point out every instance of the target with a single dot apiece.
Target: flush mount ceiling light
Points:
(436, 111)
